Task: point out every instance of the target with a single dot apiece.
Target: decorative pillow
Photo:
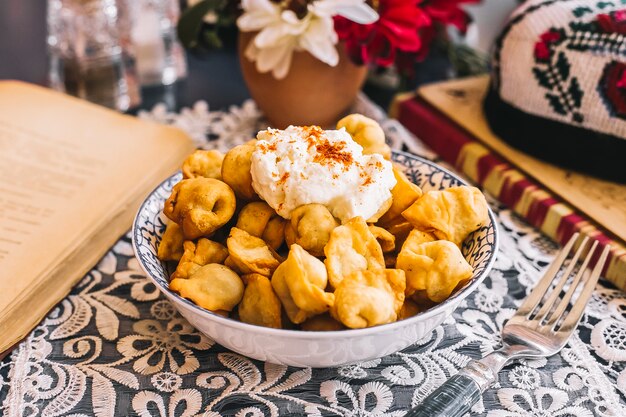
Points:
(559, 84)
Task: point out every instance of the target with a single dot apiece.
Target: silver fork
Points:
(540, 328)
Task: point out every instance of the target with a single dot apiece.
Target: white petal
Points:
(265, 6)
(320, 43)
(282, 69)
(251, 52)
(362, 13)
(270, 36)
(269, 58)
(257, 15)
(356, 10)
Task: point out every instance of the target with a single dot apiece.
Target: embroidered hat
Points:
(559, 84)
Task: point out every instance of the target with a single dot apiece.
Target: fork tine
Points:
(556, 315)
(547, 306)
(573, 317)
(534, 298)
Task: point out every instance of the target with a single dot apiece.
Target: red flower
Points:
(406, 26)
(448, 12)
(396, 29)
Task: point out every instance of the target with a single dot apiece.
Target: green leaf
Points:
(191, 20)
(211, 39)
(575, 92)
(556, 104)
(604, 4)
(543, 78)
(563, 66)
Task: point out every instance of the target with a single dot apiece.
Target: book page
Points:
(68, 168)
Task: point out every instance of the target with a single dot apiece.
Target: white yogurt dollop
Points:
(306, 164)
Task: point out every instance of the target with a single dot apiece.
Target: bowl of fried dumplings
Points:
(310, 291)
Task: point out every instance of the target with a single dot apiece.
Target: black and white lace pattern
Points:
(116, 347)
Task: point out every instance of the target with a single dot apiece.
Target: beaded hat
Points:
(559, 84)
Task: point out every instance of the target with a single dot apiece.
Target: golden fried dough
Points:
(171, 246)
(367, 133)
(396, 278)
(310, 227)
(213, 286)
(260, 305)
(250, 254)
(260, 220)
(200, 206)
(437, 267)
(299, 282)
(416, 238)
(274, 233)
(322, 323)
(196, 255)
(369, 298)
(403, 194)
(203, 163)
(400, 231)
(236, 170)
(451, 214)
(386, 240)
(352, 247)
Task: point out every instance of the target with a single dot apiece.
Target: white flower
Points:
(281, 32)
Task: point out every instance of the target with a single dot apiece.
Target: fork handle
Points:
(458, 394)
(454, 398)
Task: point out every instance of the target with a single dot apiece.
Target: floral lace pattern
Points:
(115, 346)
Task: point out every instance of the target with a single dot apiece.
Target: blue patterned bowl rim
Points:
(437, 309)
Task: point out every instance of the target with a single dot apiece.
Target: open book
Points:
(73, 175)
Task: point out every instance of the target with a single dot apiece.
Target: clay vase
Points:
(312, 93)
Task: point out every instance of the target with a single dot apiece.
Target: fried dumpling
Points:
(400, 231)
(436, 267)
(260, 305)
(250, 254)
(200, 206)
(213, 286)
(386, 240)
(403, 194)
(196, 255)
(369, 298)
(416, 238)
(451, 214)
(171, 245)
(299, 282)
(367, 133)
(260, 220)
(236, 170)
(203, 163)
(352, 247)
(310, 226)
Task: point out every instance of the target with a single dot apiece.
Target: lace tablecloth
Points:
(116, 347)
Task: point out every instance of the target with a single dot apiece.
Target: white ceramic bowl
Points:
(314, 349)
